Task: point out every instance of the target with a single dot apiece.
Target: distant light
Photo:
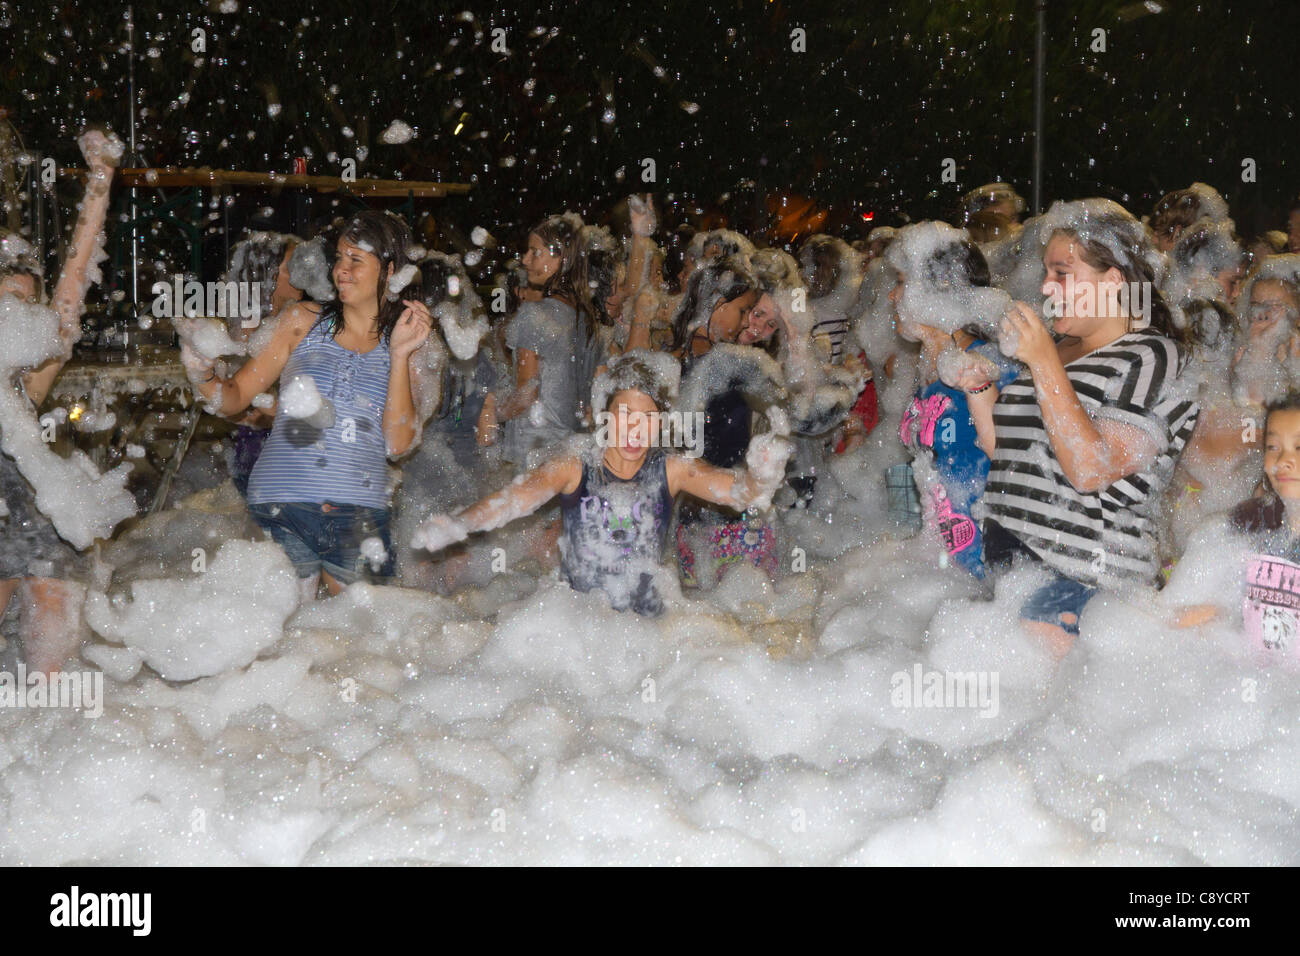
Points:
(868, 216)
(76, 411)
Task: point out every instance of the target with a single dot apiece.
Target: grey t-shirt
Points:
(547, 328)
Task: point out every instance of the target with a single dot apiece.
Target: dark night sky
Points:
(713, 92)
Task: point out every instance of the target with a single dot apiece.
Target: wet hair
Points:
(559, 234)
(1177, 210)
(960, 261)
(1134, 264)
(821, 261)
(655, 374)
(257, 260)
(711, 285)
(775, 269)
(595, 280)
(1265, 511)
(386, 236)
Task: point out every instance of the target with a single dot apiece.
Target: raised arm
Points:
(520, 498)
(102, 153)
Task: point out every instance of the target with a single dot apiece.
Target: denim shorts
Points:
(327, 537)
(1059, 596)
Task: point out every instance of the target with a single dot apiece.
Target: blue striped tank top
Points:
(346, 463)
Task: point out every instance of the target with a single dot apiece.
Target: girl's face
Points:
(540, 262)
(356, 274)
(907, 330)
(633, 424)
(1230, 282)
(730, 317)
(761, 322)
(1271, 303)
(23, 286)
(1282, 454)
(1082, 297)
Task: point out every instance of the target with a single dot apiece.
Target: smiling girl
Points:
(319, 489)
(1087, 436)
(541, 410)
(617, 499)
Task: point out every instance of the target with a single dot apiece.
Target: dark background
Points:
(860, 123)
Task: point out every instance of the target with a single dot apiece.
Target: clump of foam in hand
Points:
(301, 399)
(209, 337)
(936, 289)
(765, 460)
(397, 133)
(309, 270)
(439, 531)
(957, 366)
(216, 622)
(81, 503)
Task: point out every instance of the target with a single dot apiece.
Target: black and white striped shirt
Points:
(1107, 535)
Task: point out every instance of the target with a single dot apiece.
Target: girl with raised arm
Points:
(34, 559)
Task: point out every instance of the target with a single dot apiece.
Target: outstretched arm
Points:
(518, 499)
(231, 396)
(751, 488)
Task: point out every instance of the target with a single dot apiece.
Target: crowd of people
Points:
(1078, 391)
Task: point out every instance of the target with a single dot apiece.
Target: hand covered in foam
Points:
(439, 531)
(198, 367)
(965, 370)
(102, 150)
(765, 462)
(642, 215)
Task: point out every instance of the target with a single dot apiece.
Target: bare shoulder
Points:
(297, 319)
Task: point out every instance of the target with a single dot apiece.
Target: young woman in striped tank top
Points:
(1087, 436)
(321, 485)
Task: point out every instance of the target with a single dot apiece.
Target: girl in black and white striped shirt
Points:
(1087, 437)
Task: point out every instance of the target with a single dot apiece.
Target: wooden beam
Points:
(210, 178)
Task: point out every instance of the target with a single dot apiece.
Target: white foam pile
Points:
(767, 723)
(218, 621)
(81, 503)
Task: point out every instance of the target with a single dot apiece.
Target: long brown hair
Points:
(386, 236)
(559, 234)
